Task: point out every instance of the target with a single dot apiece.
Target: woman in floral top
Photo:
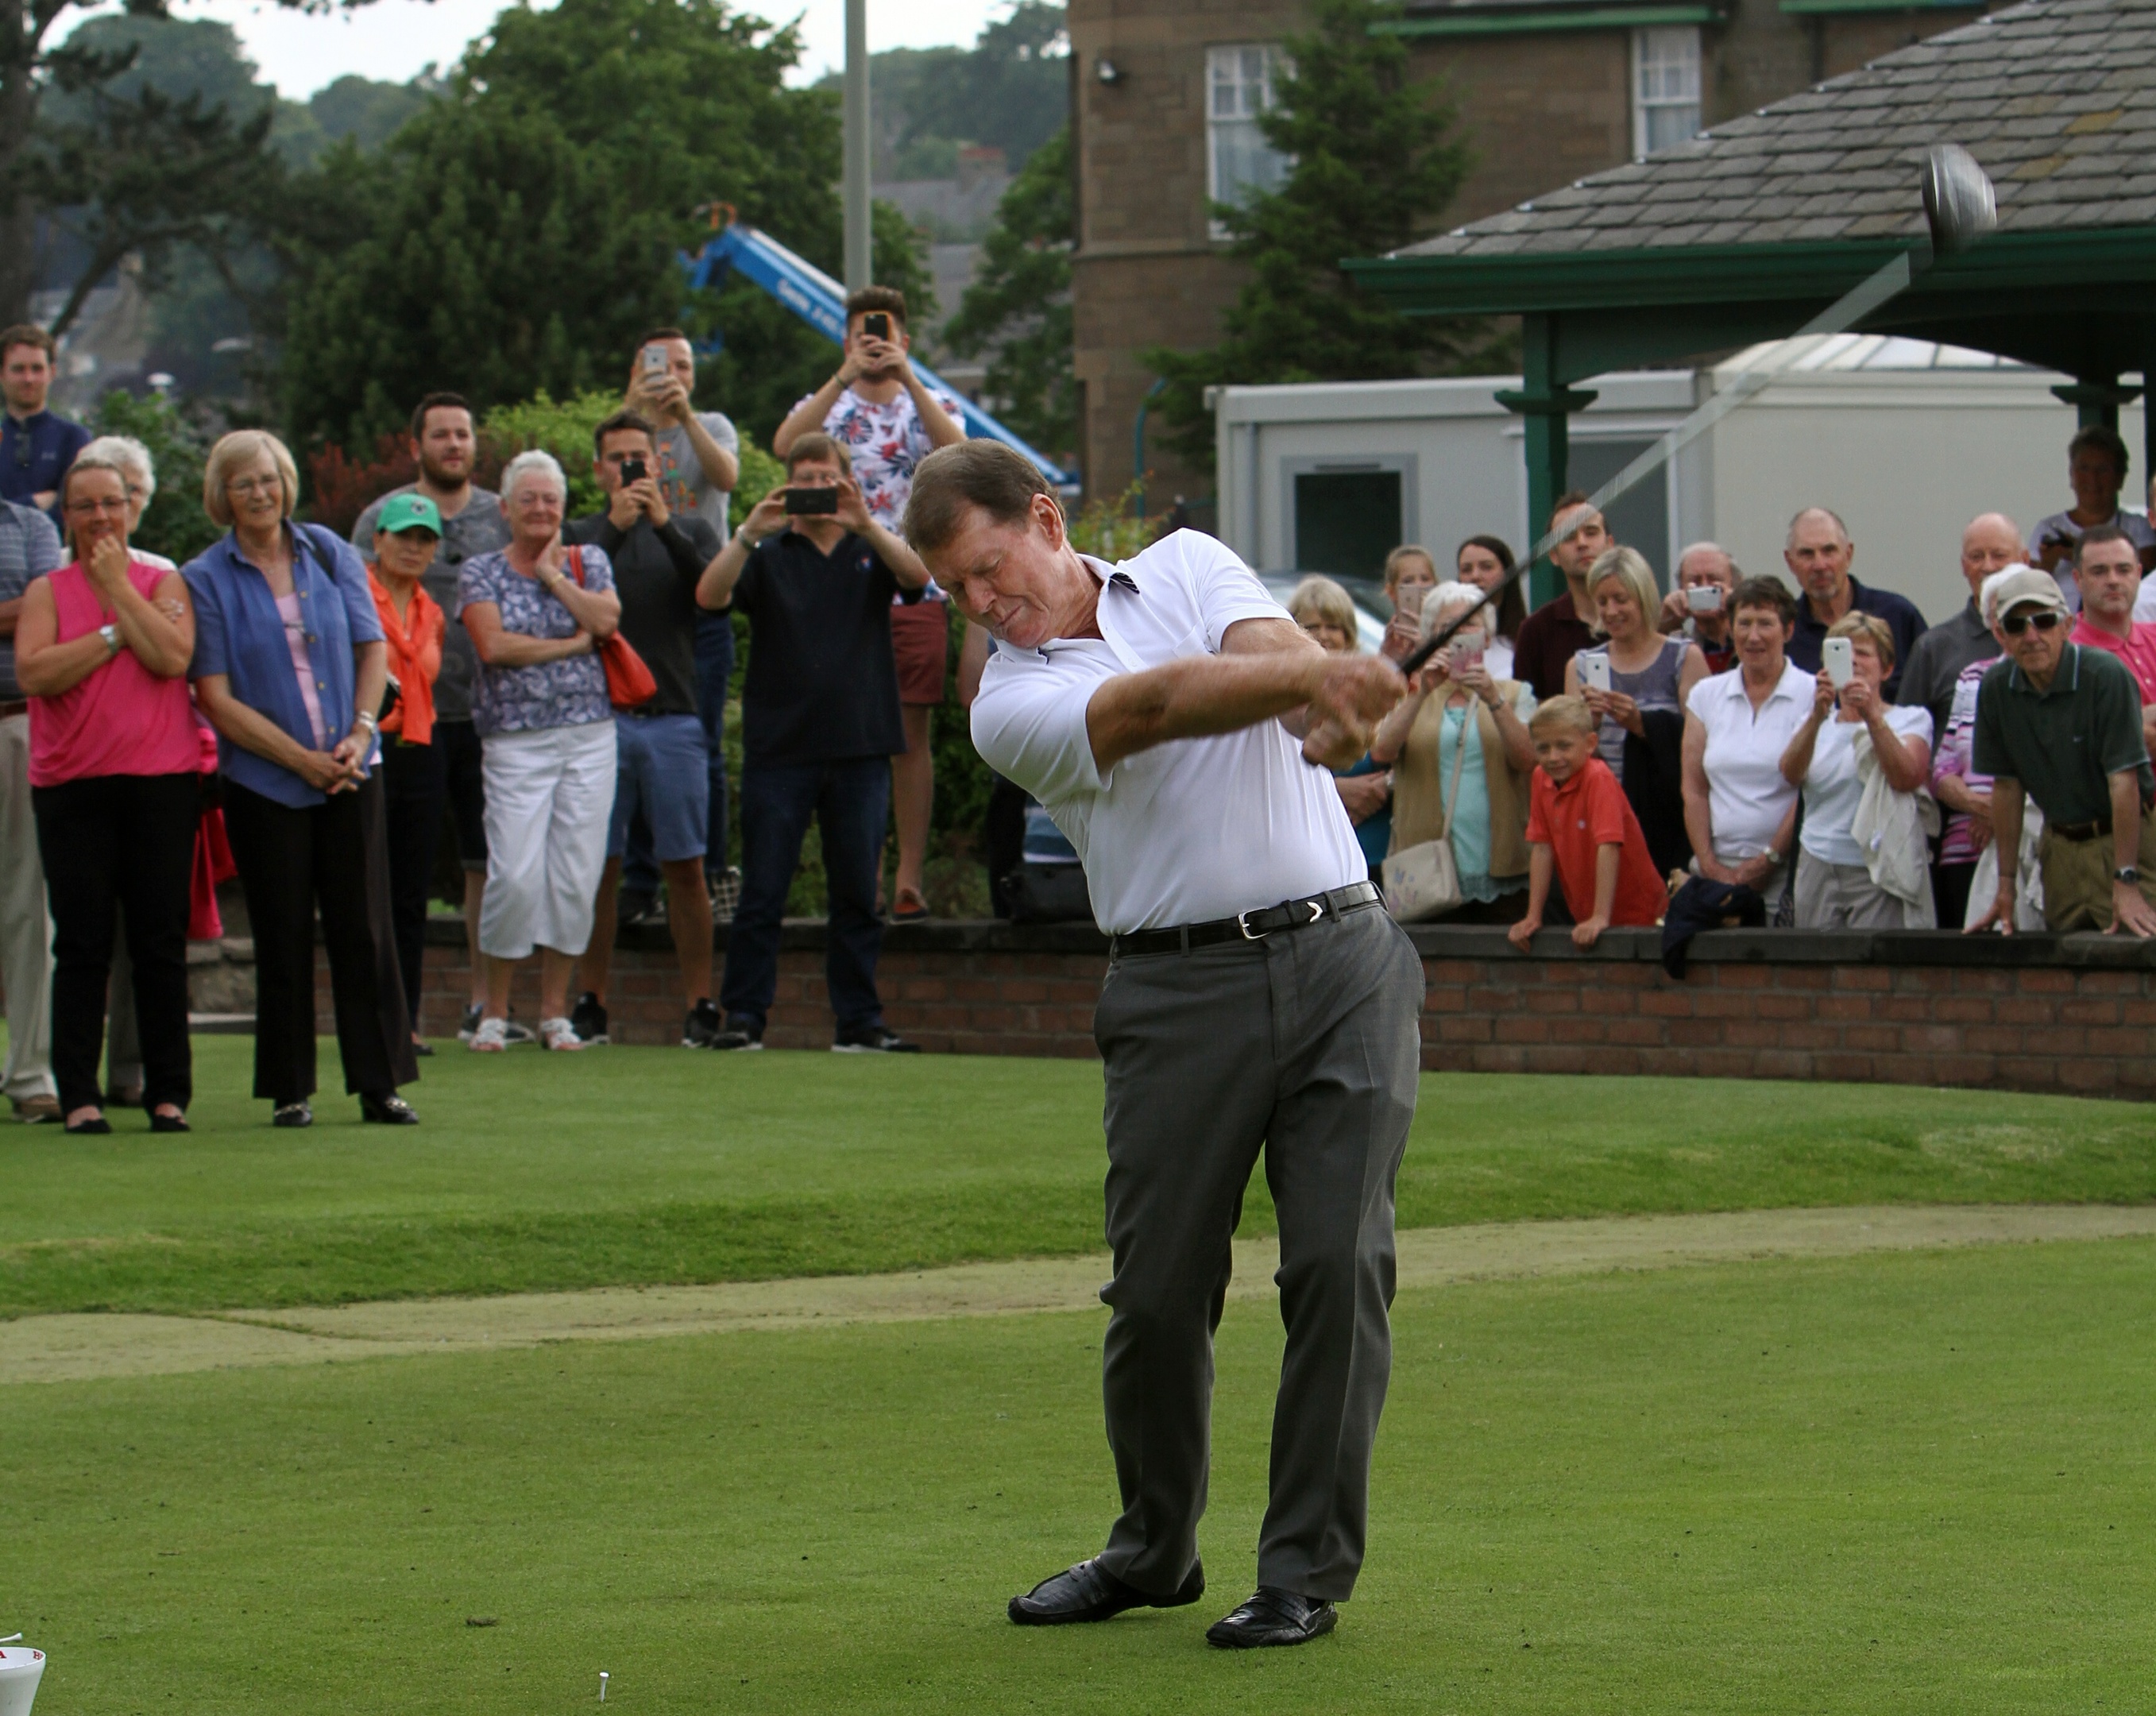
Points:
(538, 613)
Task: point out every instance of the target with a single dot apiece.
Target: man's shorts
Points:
(663, 770)
(459, 742)
(920, 639)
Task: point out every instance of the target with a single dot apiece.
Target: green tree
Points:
(1018, 308)
(1374, 165)
(106, 158)
(1010, 90)
(523, 231)
(173, 524)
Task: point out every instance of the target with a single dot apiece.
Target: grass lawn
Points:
(1915, 1483)
(642, 1165)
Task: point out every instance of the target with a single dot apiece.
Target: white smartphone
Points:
(1839, 657)
(1466, 650)
(1704, 598)
(1409, 605)
(654, 359)
(1595, 672)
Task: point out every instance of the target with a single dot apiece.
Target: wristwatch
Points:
(1773, 858)
(2128, 874)
(111, 633)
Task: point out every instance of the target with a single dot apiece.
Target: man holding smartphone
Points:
(1698, 607)
(697, 464)
(816, 574)
(877, 408)
(660, 775)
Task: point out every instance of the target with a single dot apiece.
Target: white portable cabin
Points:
(1906, 440)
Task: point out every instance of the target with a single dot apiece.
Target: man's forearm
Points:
(896, 553)
(809, 415)
(2007, 831)
(715, 588)
(722, 470)
(1196, 697)
(944, 430)
(2125, 819)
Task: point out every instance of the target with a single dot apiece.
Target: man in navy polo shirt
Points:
(1817, 555)
(36, 446)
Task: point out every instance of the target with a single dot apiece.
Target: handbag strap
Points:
(1452, 796)
(575, 560)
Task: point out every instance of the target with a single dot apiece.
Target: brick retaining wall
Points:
(2037, 1013)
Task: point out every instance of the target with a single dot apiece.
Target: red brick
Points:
(1554, 1000)
(2091, 1012)
(1960, 1009)
(1518, 1028)
(2034, 981)
(1575, 1029)
(1844, 1007)
(1458, 971)
(1667, 1003)
(1862, 977)
(1803, 977)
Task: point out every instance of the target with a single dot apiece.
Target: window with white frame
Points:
(1665, 88)
(1239, 162)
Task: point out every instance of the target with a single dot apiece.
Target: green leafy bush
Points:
(563, 429)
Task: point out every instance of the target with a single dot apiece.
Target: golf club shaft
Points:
(1852, 306)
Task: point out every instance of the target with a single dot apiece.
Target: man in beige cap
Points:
(2062, 722)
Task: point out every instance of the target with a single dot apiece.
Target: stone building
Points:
(1165, 95)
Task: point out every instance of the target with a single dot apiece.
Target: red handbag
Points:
(629, 683)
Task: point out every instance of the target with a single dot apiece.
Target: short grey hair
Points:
(1841, 529)
(1728, 559)
(131, 455)
(1455, 593)
(538, 462)
(94, 456)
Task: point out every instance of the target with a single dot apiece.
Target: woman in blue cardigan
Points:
(290, 667)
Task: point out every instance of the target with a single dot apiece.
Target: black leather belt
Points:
(2082, 830)
(1246, 925)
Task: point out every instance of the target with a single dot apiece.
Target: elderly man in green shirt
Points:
(2062, 723)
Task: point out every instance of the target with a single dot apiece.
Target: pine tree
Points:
(1374, 164)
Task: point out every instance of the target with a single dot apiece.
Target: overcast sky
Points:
(392, 39)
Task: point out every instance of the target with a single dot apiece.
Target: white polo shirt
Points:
(1747, 795)
(1190, 831)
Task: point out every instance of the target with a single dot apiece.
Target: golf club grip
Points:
(1419, 658)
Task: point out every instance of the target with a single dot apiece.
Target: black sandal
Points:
(169, 1123)
(97, 1128)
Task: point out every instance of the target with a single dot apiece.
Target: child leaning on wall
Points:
(1581, 828)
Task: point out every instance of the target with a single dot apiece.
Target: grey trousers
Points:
(1306, 1043)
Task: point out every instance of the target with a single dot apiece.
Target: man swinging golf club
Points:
(1257, 994)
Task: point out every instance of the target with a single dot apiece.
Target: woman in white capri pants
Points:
(546, 733)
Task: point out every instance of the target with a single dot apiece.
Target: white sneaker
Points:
(559, 1034)
(491, 1038)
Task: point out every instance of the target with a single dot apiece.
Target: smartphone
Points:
(877, 324)
(1410, 603)
(654, 360)
(633, 471)
(1839, 657)
(1595, 672)
(1466, 650)
(1704, 598)
(800, 503)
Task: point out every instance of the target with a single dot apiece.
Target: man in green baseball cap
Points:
(414, 770)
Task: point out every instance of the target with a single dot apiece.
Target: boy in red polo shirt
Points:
(1580, 826)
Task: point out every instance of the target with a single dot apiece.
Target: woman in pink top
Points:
(101, 650)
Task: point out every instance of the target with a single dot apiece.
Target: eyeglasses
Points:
(246, 487)
(2044, 619)
(109, 504)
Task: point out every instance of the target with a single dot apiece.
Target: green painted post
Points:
(2096, 402)
(1547, 405)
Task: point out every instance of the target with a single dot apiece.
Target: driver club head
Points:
(1960, 203)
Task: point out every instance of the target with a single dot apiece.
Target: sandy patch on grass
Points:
(60, 1348)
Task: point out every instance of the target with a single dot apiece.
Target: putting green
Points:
(626, 1167)
(1889, 1482)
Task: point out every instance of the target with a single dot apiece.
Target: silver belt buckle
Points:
(1243, 923)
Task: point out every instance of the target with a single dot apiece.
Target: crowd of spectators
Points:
(549, 696)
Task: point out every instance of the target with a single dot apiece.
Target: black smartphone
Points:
(802, 501)
(633, 471)
(877, 324)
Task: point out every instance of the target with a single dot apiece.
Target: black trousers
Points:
(415, 787)
(333, 856)
(119, 840)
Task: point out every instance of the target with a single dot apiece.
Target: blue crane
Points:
(820, 301)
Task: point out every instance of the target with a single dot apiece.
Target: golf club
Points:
(1960, 208)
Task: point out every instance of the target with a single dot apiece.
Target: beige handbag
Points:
(1422, 882)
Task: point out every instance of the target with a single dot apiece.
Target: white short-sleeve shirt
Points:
(1832, 788)
(1747, 795)
(1191, 830)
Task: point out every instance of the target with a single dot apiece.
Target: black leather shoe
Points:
(1274, 1617)
(169, 1123)
(392, 1110)
(292, 1114)
(1090, 1592)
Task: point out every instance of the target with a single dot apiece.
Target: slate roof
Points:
(2055, 98)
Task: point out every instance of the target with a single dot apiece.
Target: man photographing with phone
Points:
(816, 574)
(877, 407)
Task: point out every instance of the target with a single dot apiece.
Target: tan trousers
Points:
(26, 929)
(2077, 877)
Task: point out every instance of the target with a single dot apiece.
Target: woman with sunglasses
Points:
(102, 649)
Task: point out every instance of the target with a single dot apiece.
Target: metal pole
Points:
(859, 256)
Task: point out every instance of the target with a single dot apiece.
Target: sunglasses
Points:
(2045, 619)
